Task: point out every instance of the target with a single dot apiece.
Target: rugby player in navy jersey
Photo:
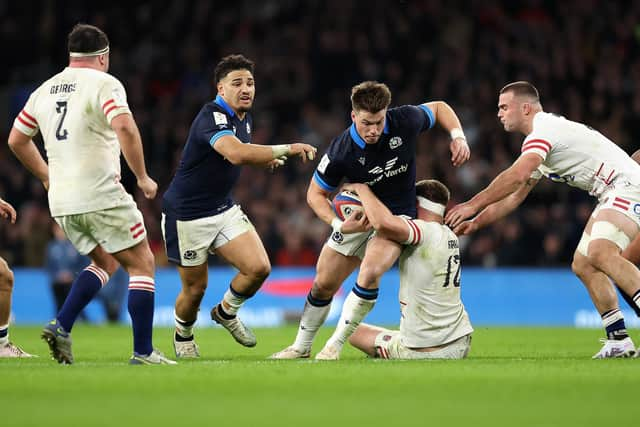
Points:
(199, 215)
(377, 149)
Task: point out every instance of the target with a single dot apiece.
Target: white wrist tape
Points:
(457, 133)
(336, 224)
(436, 208)
(280, 150)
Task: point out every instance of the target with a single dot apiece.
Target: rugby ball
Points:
(345, 203)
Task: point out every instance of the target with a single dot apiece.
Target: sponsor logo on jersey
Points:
(361, 160)
(119, 97)
(395, 142)
(324, 162)
(388, 171)
(565, 179)
(390, 164)
(220, 119)
(248, 129)
(636, 209)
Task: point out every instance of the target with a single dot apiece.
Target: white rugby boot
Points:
(10, 350)
(291, 353)
(186, 349)
(328, 352)
(615, 349)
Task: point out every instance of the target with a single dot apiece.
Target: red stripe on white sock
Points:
(142, 283)
(102, 275)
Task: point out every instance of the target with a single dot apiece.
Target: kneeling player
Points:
(433, 321)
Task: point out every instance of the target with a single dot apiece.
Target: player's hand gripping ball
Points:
(346, 203)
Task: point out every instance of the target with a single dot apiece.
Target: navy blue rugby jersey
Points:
(388, 166)
(203, 182)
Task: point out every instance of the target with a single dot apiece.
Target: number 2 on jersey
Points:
(453, 262)
(61, 108)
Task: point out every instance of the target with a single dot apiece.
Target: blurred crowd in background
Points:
(582, 55)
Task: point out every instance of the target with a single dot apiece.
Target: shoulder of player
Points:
(403, 115)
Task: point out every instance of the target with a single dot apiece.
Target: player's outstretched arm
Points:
(385, 223)
(131, 144)
(232, 149)
(497, 210)
(27, 152)
(449, 121)
(508, 182)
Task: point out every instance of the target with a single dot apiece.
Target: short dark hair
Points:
(85, 38)
(522, 88)
(231, 63)
(433, 190)
(370, 96)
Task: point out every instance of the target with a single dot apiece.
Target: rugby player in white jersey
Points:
(433, 322)
(84, 119)
(575, 154)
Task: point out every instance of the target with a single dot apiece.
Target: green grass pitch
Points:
(513, 377)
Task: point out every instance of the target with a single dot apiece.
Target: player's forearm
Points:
(131, 145)
(30, 157)
(505, 184)
(636, 156)
(504, 207)
(320, 205)
(377, 213)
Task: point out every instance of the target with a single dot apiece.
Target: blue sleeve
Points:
(418, 118)
(430, 117)
(212, 125)
(329, 172)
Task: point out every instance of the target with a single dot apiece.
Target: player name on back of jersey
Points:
(62, 88)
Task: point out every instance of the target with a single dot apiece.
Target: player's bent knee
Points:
(6, 277)
(580, 265)
(259, 271)
(369, 275)
(196, 291)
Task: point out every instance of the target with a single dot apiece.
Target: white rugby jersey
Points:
(73, 110)
(432, 312)
(579, 156)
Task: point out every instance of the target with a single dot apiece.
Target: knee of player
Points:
(196, 290)
(369, 275)
(579, 264)
(260, 270)
(6, 276)
(598, 256)
(323, 290)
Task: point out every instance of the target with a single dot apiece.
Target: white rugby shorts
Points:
(389, 346)
(114, 229)
(189, 243)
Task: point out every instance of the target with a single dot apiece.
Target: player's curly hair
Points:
(231, 63)
(434, 190)
(85, 38)
(370, 96)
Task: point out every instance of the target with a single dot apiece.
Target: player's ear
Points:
(220, 89)
(526, 108)
(353, 116)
